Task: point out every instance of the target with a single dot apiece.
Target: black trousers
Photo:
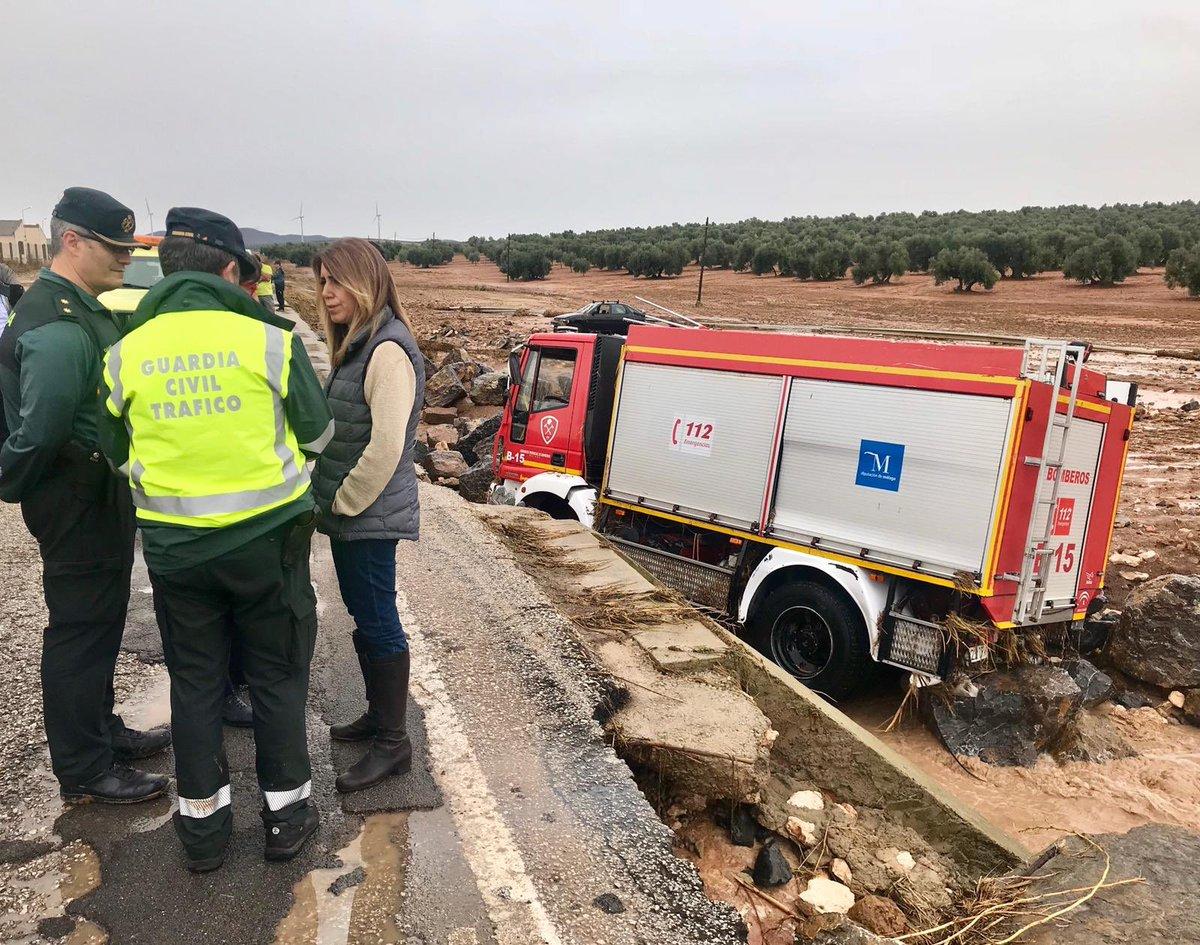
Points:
(258, 598)
(82, 517)
(279, 294)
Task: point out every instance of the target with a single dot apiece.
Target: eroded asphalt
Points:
(518, 823)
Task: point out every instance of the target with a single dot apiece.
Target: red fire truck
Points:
(838, 497)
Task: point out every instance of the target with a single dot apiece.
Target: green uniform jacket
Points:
(49, 373)
(175, 547)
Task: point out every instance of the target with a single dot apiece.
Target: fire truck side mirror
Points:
(514, 366)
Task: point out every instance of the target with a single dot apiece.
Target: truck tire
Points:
(816, 634)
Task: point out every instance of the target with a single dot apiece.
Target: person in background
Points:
(365, 486)
(266, 288)
(211, 406)
(10, 293)
(72, 503)
(278, 278)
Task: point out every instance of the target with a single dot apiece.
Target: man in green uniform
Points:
(211, 409)
(79, 512)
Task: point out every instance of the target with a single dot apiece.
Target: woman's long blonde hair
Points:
(361, 269)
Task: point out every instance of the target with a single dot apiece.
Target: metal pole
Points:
(703, 249)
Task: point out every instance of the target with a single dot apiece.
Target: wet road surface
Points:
(518, 824)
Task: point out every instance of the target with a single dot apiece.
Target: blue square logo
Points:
(880, 465)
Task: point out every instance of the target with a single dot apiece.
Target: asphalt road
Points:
(518, 823)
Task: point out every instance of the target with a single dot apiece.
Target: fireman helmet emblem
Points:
(549, 427)
(127, 223)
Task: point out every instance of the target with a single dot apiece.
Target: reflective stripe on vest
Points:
(202, 396)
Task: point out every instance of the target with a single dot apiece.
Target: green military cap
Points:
(106, 218)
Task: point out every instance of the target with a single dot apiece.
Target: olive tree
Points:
(1183, 270)
(968, 264)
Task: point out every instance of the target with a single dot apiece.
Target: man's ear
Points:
(230, 273)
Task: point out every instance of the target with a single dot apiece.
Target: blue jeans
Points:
(366, 572)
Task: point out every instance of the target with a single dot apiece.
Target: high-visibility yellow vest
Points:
(202, 395)
(264, 281)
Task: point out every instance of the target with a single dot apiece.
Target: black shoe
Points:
(366, 725)
(391, 751)
(237, 711)
(285, 840)
(117, 785)
(128, 744)
(206, 865)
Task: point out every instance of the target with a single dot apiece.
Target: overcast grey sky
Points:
(464, 118)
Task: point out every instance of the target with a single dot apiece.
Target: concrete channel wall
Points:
(832, 750)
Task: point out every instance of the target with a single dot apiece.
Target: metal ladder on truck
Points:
(1045, 361)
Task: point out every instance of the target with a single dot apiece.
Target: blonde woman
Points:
(366, 487)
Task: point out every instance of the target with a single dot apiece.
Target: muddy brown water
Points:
(1161, 784)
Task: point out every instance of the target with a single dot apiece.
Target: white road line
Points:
(488, 845)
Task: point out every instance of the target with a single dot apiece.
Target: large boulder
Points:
(1158, 637)
(1095, 684)
(476, 446)
(490, 389)
(432, 415)
(445, 464)
(441, 433)
(1162, 909)
(448, 385)
(1010, 718)
(474, 483)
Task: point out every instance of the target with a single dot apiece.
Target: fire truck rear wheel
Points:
(816, 634)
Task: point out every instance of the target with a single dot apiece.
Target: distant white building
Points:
(23, 242)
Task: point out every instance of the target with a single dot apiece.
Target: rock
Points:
(1095, 685)
(1095, 740)
(465, 425)
(435, 415)
(1191, 706)
(1132, 699)
(421, 473)
(477, 445)
(828, 895)
(1158, 637)
(610, 903)
(807, 800)
(1135, 577)
(1176, 698)
(1012, 718)
(1191, 405)
(1129, 561)
(841, 870)
(1147, 554)
(770, 867)
(441, 433)
(420, 451)
(802, 831)
(839, 930)
(490, 389)
(445, 464)
(348, 880)
(880, 915)
(22, 851)
(743, 827)
(455, 355)
(475, 482)
(447, 385)
(1163, 909)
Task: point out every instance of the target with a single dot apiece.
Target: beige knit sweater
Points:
(390, 388)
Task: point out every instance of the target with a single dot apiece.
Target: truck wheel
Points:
(817, 635)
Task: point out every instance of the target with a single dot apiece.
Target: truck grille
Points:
(913, 644)
(704, 584)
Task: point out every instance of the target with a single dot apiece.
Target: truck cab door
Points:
(547, 414)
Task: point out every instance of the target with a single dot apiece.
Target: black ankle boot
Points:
(366, 725)
(391, 751)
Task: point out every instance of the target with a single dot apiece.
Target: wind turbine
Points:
(150, 214)
(378, 224)
(301, 219)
